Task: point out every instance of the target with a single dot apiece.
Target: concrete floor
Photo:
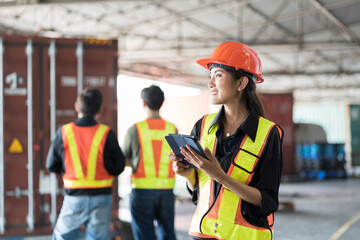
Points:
(323, 210)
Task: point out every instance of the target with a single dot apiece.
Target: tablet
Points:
(176, 141)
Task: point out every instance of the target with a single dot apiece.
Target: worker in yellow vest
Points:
(236, 187)
(88, 156)
(153, 178)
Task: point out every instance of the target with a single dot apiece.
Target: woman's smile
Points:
(213, 92)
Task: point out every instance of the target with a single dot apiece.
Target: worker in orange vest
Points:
(236, 186)
(88, 156)
(153, 178)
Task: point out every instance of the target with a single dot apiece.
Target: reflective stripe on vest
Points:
(155, 168)
(224, 220)
(75, 177)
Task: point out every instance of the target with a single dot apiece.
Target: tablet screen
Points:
(176, 141)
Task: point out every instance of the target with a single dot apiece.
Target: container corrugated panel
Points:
(99, 69)
(330, 116)
(355, 134)
(279, 109)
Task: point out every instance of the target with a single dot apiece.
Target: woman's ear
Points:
(243, 83)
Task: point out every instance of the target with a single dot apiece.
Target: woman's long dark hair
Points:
(250, 96)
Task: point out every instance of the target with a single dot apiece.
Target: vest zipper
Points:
(212, 205)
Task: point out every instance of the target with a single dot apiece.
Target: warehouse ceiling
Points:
(308, 47)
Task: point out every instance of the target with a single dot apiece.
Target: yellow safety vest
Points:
(223, 219)
(84, 162)
(155, 168)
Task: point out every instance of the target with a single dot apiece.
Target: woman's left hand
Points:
(209, 166)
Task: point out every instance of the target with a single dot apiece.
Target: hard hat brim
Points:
(206, 63)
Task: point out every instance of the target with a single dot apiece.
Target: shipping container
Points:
(355, 134)
(40, 79)
(279, 109)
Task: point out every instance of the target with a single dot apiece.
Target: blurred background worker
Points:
(152, 177)
(236, 187)
(88, 156)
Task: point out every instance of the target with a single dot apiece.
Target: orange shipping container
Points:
(40, 79)
(279, 108)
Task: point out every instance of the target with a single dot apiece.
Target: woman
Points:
(236, 187)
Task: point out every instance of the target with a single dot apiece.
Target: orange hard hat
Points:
(237, 55)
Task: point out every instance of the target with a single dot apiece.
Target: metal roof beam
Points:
(314, 80)
(300, 22)
(314, 74)
(271, 21)
(273, 18)
(207, 27)
(201, 52)
(184, 13)
(282, 67)
(335, 20)
(290, 16)
(32, 2)
(343, 95)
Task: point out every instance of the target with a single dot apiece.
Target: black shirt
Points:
(114, 161)
(267, 176)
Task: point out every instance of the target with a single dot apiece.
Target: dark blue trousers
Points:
(152, 213)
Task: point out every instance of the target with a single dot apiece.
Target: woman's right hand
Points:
(179, 167)
(182, 169)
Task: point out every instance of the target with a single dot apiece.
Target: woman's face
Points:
(223, 89)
